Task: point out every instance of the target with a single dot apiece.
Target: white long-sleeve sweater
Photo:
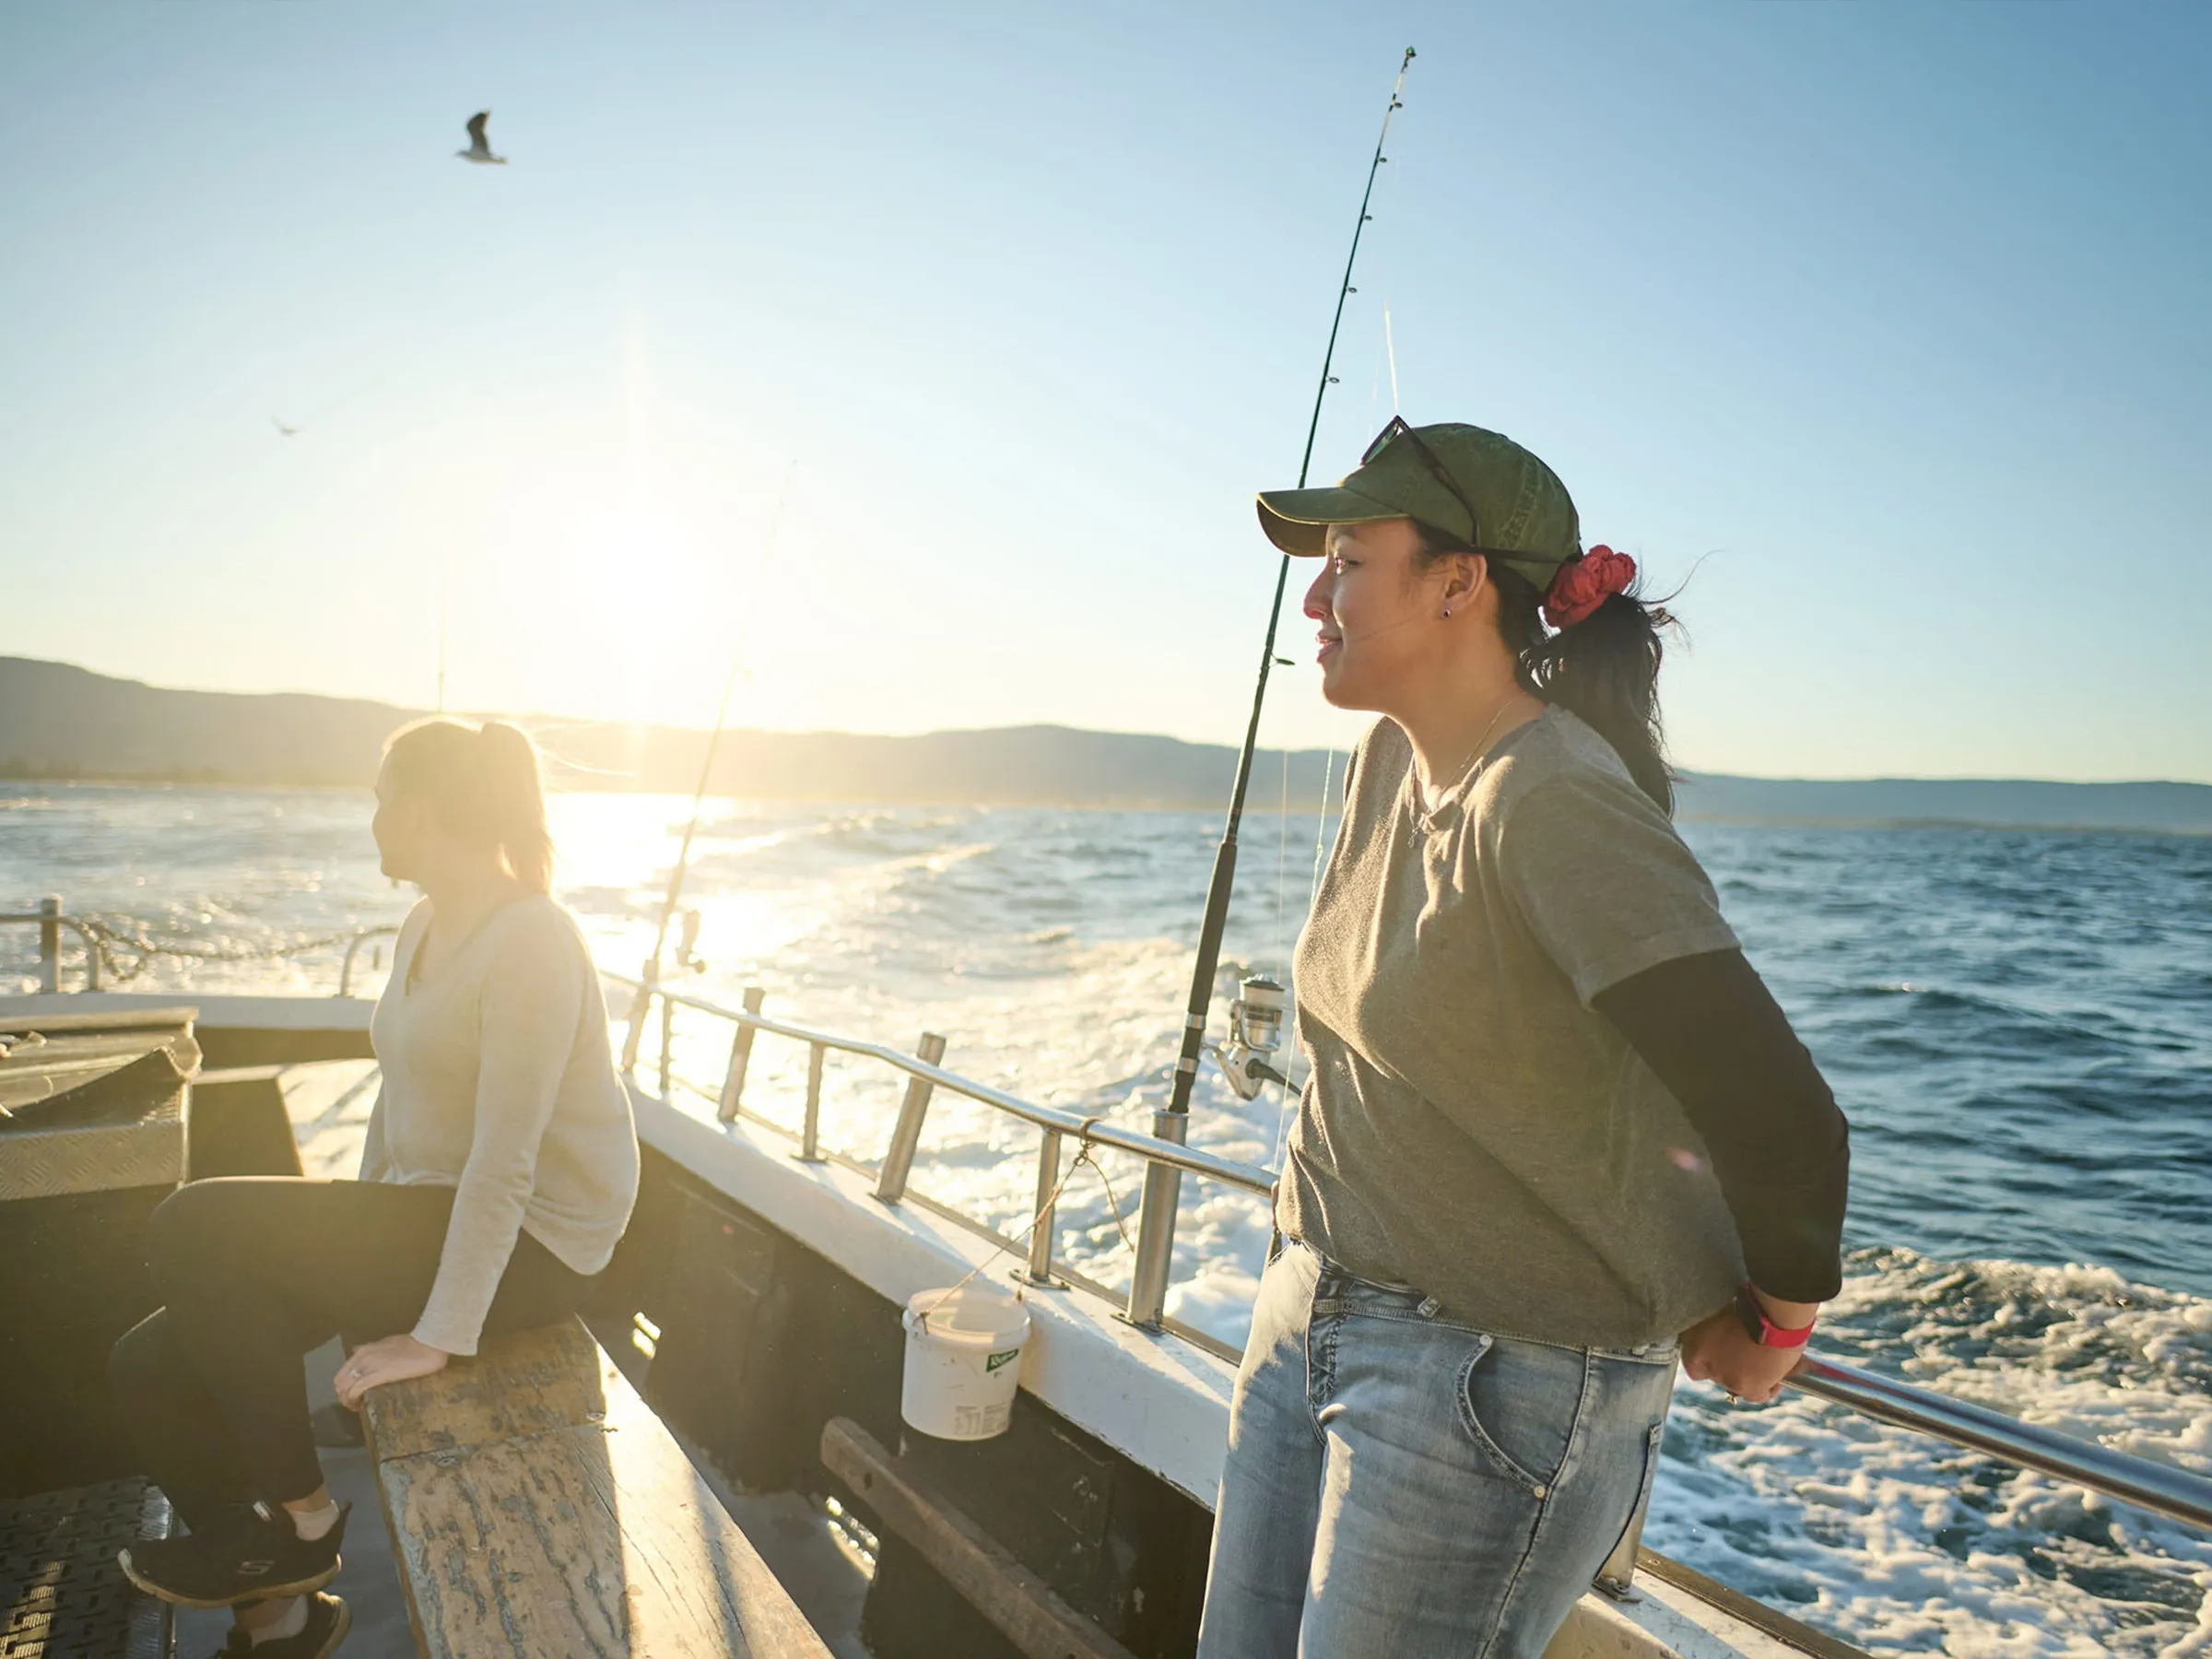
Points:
(498, 1081)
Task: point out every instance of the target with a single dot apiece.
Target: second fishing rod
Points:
(1156, 1233)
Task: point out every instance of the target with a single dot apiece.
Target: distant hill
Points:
(2184, 808)
(57, 721)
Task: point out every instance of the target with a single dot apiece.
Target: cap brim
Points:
(1298, 521)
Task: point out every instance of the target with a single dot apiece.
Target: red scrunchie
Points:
(1584, 584)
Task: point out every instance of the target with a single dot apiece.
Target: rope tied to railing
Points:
(1006, 1245)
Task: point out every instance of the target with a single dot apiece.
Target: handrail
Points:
(2163, 1488)
(2172, 1491)
(1251, 1177)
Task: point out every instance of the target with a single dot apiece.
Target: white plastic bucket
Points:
(963, 1363)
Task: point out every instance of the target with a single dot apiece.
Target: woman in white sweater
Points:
(500, 1167)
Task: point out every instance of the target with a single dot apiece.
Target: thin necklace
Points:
(1424, 816)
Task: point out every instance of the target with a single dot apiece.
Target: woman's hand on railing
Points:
(1716, 1349)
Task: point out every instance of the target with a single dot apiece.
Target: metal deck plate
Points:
(64, 1594)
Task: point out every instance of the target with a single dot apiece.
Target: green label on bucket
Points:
(996, 1360)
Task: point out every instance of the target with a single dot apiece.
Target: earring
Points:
(1447, 610)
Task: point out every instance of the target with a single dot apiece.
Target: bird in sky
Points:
(282, 430)
(480, 146)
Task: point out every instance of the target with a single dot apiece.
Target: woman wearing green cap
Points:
(1558, 1135)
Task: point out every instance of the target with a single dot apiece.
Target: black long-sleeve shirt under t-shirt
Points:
(1711, 1031)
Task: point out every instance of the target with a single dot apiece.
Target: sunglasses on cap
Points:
(1398, 429)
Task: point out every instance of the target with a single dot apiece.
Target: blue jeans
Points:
(1402, 1484)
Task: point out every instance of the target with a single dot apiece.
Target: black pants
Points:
(257, 1271)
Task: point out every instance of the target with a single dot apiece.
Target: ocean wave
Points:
(1904, 1543)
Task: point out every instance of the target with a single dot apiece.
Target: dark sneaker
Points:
(327, 1622)
(250, 1556)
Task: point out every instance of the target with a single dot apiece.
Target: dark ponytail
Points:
(1603, 669)
(483, 781)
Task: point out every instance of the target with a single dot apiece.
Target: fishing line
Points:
(1374, 394)
(1223, 880)
(1390, 348)
(714, 744)
(1282, 870)
(1387, 628)
(1320, 843)
(1388, 356)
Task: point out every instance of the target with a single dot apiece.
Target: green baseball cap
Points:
(1462, 479)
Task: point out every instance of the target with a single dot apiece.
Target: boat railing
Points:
(1155, 1241)
(98, 936)
(50, 919)
(2164, 1487)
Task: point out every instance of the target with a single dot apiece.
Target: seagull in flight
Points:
(282, 430)
(480, 146)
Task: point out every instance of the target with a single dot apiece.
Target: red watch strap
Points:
(1764, 1331)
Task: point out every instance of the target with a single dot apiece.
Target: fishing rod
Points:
(1225, 856)
(698, 796)
(651, 976)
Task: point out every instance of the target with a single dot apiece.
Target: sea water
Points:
(2018, 1024)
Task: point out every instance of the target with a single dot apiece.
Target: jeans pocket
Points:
(1518, 1402)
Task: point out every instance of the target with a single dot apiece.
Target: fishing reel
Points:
(1255, 1033)
(686, 954)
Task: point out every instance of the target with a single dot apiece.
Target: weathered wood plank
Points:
(1025, 1608)
(569, 1525)
(568, 1545)
(524, 1382)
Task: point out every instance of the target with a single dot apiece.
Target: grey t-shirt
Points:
(1472, 1127)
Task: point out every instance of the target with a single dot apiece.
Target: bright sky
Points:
(1889, 321)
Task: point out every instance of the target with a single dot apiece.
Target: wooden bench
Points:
(539, 1509)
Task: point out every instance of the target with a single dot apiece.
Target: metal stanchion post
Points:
(810, 1129)
(50, 945)
(741, 1059)
(906, 1135)
(1155, 1228)
(1038, 1270)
